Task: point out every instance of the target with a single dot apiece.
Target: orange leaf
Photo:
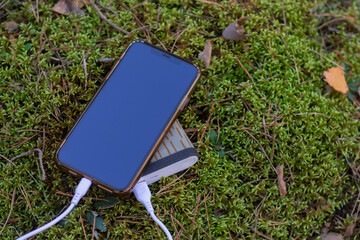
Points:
(335, 77)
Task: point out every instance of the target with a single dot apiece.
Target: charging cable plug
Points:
(143, 195)
(80, 191)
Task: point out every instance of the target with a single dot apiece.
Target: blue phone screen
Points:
(124, 121)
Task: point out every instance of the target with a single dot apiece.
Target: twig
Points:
(283, 10)
(215, 3)
(297, 70)
(207, 123)
(177, 38)
(7, 160)
(246, 71)
(102, 16)
(257, 212)
(40, 159)
(326, 58)
(207, 216)
(331, 21)
(158, 17)
(11, 207)
(107, 8)
(206, 104)
(312, 113)
(69, 195)
(2, 4)
(262, 148)
(83, 228)
(261, 234)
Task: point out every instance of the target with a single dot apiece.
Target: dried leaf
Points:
(335, 77)
(11, 26)
(66, 7)
(281, 182)
(331, 236)
(349, 230)
(236, 30)
(205, 56)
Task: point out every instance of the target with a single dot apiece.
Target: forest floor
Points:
(279, 148)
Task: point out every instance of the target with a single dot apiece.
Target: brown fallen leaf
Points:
(335, 77)
(205, 56)
(11, 26)
(349, 230)
(65, 7)
(280, 178)
(236, 30)
(331, 236)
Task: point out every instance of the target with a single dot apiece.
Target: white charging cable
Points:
(143, 195)
(80, 191)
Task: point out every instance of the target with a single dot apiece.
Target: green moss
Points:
(315, 130)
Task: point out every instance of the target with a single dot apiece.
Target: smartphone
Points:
(124, 123)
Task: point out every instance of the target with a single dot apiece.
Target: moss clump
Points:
(44, 88)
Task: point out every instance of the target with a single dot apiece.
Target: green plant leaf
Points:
(354, 86)
(3, 54)
(347, 68)
(214, 138)
(99, 222)
(27, 47)
(108, 202)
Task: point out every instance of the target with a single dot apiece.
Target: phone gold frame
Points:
(162, 135)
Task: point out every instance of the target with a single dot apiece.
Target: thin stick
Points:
(206, 104)
(331, 21)
(238, 60)
(102, 16)
(83, 228)
(4, 4)
(158, 17)
(107, 8)
(207, 216)
(172, 49)
(11, 207)
(283, 13)
(207, 123)
(40, 159)
(312, 113)
(262, 148)
(297, 70)
(8, 160)
(215, 3)
(326, 58)
(264, 236)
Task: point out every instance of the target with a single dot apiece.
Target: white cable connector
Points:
(143, 195)
(80, 191)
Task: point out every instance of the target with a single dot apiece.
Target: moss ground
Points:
(282, 115)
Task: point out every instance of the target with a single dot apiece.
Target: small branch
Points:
(40, 159)
(8, 160)
(11, 207)
(102, 16)
(107, 8)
